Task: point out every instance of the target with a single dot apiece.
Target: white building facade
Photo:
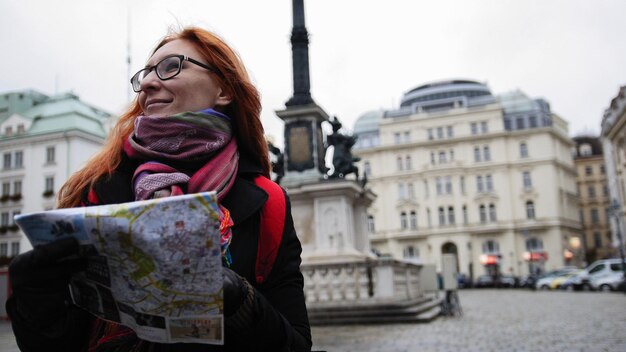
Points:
(458, 170)
(43, 141)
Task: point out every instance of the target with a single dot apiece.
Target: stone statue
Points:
(278, 166)
(343, 161)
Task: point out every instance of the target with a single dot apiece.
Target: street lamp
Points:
(616, 210)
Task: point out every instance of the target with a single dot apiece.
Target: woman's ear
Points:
(223, 99)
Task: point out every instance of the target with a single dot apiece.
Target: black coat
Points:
(281, 322)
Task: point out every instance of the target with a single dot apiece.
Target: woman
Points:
(194, 127)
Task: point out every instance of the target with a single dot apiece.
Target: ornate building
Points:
(43, 140)
(594, 198)
(614, 144)
(459, 170)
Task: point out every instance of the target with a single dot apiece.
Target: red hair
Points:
(244, 110)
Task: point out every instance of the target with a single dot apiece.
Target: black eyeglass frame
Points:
(182, 58)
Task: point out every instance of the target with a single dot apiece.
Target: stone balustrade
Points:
(364, 282)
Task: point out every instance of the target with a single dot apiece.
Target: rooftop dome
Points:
(444, 89)
(368, 122)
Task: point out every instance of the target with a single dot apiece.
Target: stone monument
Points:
(344, 281)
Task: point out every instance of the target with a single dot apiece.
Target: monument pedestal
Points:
(331, 219)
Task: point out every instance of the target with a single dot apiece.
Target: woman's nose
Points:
(150, 81)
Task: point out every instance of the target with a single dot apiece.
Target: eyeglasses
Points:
(165, 69)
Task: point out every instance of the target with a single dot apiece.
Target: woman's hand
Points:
(40, 278)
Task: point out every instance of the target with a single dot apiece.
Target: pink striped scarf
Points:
(201, 142)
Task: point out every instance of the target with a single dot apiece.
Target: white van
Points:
(595, 272)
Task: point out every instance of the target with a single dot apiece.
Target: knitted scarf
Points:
(185, 153)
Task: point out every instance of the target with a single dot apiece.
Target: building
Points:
(43, 141)
(593, 192)
(614, 144)
(459, 170)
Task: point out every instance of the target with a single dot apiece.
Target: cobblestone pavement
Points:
(498, 320)
(493, 320)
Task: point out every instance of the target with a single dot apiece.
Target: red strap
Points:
(272, 227)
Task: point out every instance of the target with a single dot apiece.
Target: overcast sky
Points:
(363, 54)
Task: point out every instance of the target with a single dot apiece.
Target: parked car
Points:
(610, 282)
(568, 284)
(484, 281)
(507, 281)
(596, 270)
(544, 282)
(560, 280)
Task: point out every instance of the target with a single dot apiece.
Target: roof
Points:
(368, 122)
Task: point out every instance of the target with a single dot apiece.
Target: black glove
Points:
(238, 300)
(40, 279)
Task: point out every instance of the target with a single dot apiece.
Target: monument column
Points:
(304, 140)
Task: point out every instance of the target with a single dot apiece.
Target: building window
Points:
(465, 219)
(442, 216)
(8, 131)
(430, 134)
(428, 218)
(483, 127)
(442, 158)
(426, 190)
(585, 149)
(588, 170)
(49, 184)
(402, 194)
(399, 163)
(451, 218)
(407, 136)
(532, 120)
(439, 185)
(6, 189)
(450, 131)
(476, 154)
(492, 213)
(491, 247)
(591, 191)
(605, 190)
(530, 210)
(489, 183)
(4, 219)
(4, 249)
(6, 161)
(19, 158)
(411, 191)
(439, 132)
(413, 220)
(451, 154)
(474, 127)
(534, 244)
(523, 150)
(408, 162)
(371, 228)
(15, 248)
(50, 155)
(479, 184)
(410, 252)
(20, 128)
(432, 158)
(462, 184)
(520, 123)
(526, 180)
(486, 153)
(602, 169)
(403, 223)
(17, 187)
(448, 184)
(396, 138)
(595, 217)
(367, 169)
(507, 124)
(483, 214)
